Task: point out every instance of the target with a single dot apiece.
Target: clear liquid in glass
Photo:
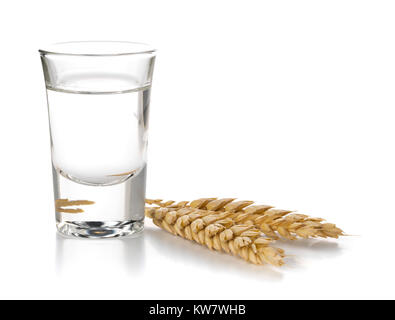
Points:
(98, 144)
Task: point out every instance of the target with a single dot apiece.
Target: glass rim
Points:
(109, 48)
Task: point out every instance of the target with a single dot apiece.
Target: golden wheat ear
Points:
(273, 222)
(217, 232)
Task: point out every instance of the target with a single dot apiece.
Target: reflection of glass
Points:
(98, 101)
(74, 256)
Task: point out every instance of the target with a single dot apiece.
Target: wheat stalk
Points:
(269, 220)
(218, 232)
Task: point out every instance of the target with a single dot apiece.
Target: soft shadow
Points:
(324, 246)
(91, 256)
(188, 252)
(299, 249)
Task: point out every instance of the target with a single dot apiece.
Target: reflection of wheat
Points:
(123, 174)
(59, 203)
(218, 232)
(269, 220)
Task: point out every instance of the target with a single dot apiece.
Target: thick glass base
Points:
(98, 229)
(100, 211)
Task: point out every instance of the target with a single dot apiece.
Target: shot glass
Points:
(98, 96)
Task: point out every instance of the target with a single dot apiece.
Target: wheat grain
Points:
(218, 232)
(269, 220)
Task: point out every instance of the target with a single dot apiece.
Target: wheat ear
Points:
(60, 203)
(217, 232)
(271, 221)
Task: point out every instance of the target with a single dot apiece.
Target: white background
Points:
(289, 103)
